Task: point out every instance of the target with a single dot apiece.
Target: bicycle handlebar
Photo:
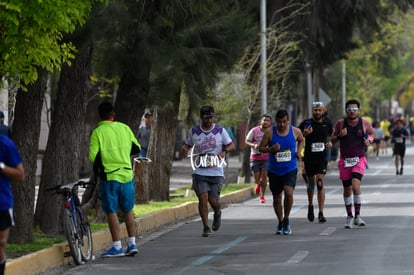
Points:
(142, 159)
(68, 187)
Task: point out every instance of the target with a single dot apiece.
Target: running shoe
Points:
(286, 228)
(311, 216)
(132, 250)
(321, 218)
(216, 222)
(206, 232)
(113, 252)
(349, 221)
(262, 199)
(279, 229)
(358, 221)
(257, 189)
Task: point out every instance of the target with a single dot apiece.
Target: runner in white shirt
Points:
(207, 145)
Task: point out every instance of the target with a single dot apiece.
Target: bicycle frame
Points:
(76, 228)
(73, 205)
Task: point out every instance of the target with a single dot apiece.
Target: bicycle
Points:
(76, 227)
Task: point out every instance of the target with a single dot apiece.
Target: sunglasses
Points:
(354, 109)
(317, 104)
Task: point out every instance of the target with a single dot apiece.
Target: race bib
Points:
(349, 162)
(317, 147)
(283, 156)
(399, 140)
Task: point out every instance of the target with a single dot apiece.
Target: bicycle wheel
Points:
(71, 235)
(85, 237)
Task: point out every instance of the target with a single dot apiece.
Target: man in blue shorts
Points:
(111, 146)
(11, 168)
(284, 143)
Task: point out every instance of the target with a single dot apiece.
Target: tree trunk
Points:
(161, 150)
(246, 165)
(63, 154)
(133, 97)
(245, 170)
(26, 132)
(141, 186)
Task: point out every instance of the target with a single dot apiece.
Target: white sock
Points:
(357, 199)
(117, 245)
(131, 241)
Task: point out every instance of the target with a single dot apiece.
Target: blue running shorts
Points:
(114, 194)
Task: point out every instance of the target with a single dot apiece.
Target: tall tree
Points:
(26, 131)
(63, 154)
(31, 44)
(31, 35)
(200, 52)
(330, 29)
(283, 52)
(384, 66)
(167, 47)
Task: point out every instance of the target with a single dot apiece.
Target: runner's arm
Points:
(264, 144)
(300, 140)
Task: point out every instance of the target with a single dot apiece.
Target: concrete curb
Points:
(52, 257)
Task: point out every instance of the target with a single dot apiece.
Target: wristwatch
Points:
(2, 165)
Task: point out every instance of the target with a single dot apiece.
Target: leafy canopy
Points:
(31, 35)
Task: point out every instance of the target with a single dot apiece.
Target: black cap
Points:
(207, 111)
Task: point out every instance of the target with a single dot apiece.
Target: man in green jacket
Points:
(111, 146)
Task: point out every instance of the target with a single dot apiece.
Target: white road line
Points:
(218, 251)
(298, 257)
(328, 231)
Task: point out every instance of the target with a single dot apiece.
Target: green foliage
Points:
(228, 99)
(31, 35)
(377, 70)
(331, 26)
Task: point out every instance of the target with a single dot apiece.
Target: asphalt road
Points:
(246, 243)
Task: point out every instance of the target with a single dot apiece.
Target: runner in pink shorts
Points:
(354, 135)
